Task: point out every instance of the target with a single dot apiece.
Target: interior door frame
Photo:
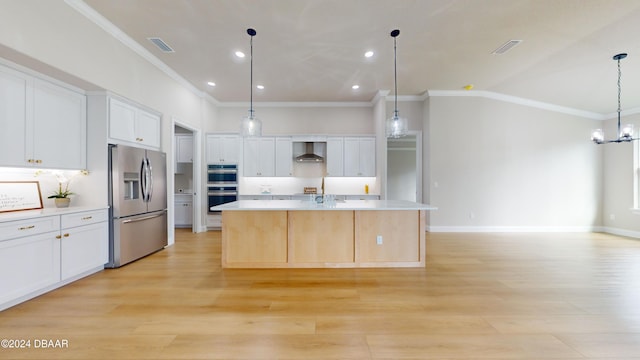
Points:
(418, 136)
(196, 226)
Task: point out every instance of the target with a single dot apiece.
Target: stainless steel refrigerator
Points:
(137, 203)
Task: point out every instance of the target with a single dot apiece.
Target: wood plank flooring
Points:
(481, 296)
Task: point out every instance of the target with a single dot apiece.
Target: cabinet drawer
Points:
(20, 228)
(83, 218)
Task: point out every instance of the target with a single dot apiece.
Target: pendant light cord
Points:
(251, 81)
(395, 34)
(395, 76)
(619, 91)
(251, 33)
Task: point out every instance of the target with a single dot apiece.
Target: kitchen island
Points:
(304, 234)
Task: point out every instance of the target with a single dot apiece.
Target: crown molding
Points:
(267, 104)
(519, 101)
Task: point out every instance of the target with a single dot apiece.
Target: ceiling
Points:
(313, 50)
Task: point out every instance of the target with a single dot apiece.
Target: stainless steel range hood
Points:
(309, 155)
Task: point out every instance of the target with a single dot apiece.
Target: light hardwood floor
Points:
(481, 296)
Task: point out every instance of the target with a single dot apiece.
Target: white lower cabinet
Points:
(27, 265)
(84, 243)
(183, 209)
(42, 253)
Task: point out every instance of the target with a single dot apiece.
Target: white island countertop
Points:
(244, 205)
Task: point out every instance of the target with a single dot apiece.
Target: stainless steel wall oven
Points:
(222, 184)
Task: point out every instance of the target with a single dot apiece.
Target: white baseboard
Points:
(620, 232)
(533, 229)
(514, 229)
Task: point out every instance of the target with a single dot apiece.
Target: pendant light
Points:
(396, 126)
(625, 134)
(251, 126)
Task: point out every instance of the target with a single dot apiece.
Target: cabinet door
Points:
(283, 157)
(183, 213)
(15, 102)
(122, 119)
(213, 149)
(147, 129)
(335, 157)
(83, 248)
(359, 156)
(222, 149)
(230, 149)
(60, 127)
(184, 148)
(28, 264)
(251, 161)
(351, 156)
(259, 156)
(368, 157)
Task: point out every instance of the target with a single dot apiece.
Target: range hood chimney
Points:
(309, 155)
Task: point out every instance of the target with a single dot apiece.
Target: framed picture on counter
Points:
(20, 195)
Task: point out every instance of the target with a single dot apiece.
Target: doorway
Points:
(404, 168)
(186, 177)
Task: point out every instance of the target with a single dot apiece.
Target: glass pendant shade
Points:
(251, 126)
(626, 132)
(597, 136)
(396, 126)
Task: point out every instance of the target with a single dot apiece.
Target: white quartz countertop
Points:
(31, 214)
(308, 205)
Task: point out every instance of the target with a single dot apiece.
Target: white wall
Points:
(502, 166)
(295, 120)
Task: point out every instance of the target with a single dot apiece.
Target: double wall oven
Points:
(222, 184)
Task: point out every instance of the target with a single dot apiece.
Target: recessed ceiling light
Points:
(260, 87)
(211, 83)
(355, 87)
(368, 54)
(239, 54)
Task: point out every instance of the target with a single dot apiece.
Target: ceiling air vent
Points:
(163, 46)
(506, 47)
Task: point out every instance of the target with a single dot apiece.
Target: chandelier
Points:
(625, 133)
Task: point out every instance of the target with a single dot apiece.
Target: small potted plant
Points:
(61, 196)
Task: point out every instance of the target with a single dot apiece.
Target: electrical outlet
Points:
(379, 239)
(612, 216)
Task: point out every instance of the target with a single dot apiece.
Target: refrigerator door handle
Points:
(143, 180)
(142, 218)
(150, 177)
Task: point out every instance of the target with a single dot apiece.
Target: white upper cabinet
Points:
(335, 156)
(284, 156)
(42, 124)
(16, 100)
(360, 156)
(259, 156)
(59, 127)
(222, 149)
(132, 125)
(184, 148)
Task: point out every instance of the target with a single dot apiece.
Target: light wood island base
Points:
(323, 239)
